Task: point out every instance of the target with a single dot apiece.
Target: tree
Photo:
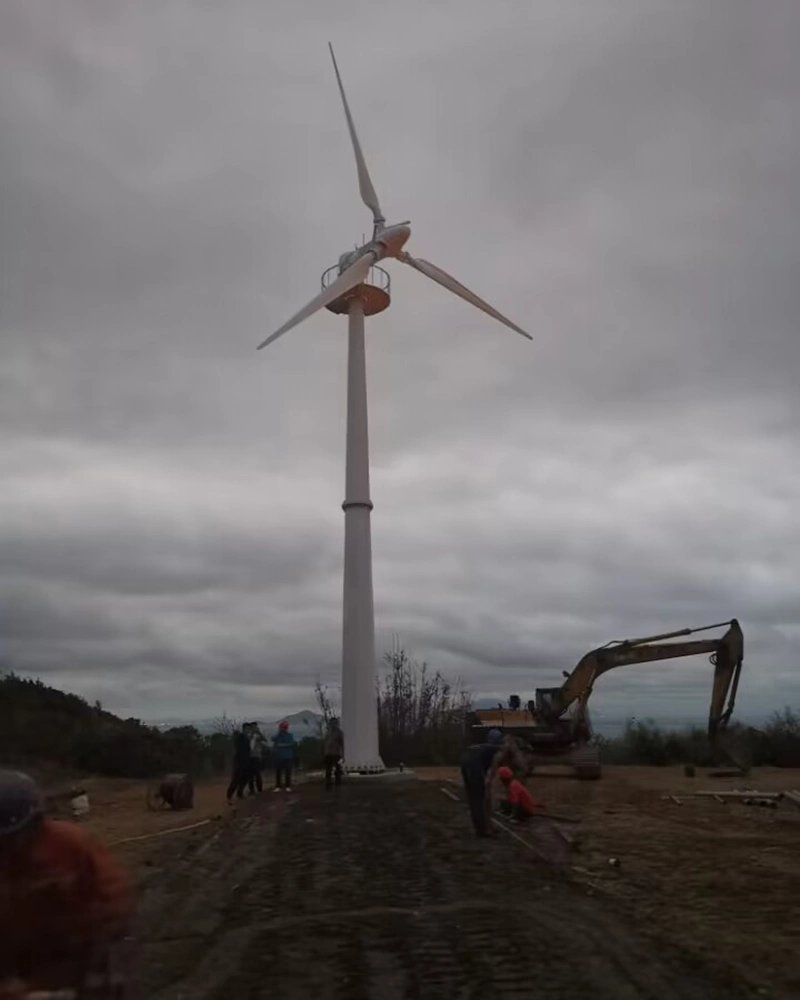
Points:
(420, 714)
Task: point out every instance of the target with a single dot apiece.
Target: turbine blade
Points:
(368, 195)
(353, 276)
(449, 282)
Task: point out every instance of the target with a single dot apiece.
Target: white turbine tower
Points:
(356, 287)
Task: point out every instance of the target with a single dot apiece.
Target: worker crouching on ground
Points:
(519, 805)
(65, 904)
(479, 765)
(333, 751)
(284, 753)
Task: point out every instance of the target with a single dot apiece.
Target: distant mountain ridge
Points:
(302, 724)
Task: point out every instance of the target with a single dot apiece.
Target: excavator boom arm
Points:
(726, 652)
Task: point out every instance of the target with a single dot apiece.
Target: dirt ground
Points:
(119, 810)
(720, 881)
(380, 890)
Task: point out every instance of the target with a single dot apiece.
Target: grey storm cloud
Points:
(618, 177)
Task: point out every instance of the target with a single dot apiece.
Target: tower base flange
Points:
(374, 766)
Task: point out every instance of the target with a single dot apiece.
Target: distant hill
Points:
(40, 724)
(302, 724)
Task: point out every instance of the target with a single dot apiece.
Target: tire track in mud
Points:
(186, 897)
(380, 891)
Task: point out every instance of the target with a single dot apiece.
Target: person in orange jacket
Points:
(65, 903)
(519, 804)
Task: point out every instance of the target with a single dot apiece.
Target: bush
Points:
(309, 753)
(777, 744)
(421, 716)
(781, 739)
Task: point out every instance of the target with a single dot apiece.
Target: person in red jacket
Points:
(519, 804)
(65, 903)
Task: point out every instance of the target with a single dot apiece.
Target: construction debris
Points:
(175, 791)
(747, 797)
(80, 804)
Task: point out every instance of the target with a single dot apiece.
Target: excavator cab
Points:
(544, 700)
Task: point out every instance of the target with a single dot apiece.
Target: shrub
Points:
(777, 744)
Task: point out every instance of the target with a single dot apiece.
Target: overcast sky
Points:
(618, 176)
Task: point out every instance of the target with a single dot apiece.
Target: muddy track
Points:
(380, 891)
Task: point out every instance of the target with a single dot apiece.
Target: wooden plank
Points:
(740, 795)
(50, 995)
(160, 833)
(793, 797)
(558, 817)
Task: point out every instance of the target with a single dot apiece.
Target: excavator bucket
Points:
(727, 669)
(728, 747)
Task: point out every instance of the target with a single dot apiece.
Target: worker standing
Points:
(284, 752)
(333, 751)
(476, 765)
(241, 763)
(65, 904)
(258, 746)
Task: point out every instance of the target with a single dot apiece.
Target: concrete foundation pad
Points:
(390, 774)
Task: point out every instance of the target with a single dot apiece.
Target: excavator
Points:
(555, 727)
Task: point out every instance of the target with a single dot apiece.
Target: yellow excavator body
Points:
(556, 724)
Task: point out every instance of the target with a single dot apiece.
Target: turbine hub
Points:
(394, 238)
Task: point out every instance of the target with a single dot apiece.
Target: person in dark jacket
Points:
(241, 763)
(284, 751)
(258, 751)
(479, 764)
(333, 751)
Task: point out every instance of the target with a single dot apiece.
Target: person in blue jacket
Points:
(284, 750)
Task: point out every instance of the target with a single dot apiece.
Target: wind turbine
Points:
(360, 288)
